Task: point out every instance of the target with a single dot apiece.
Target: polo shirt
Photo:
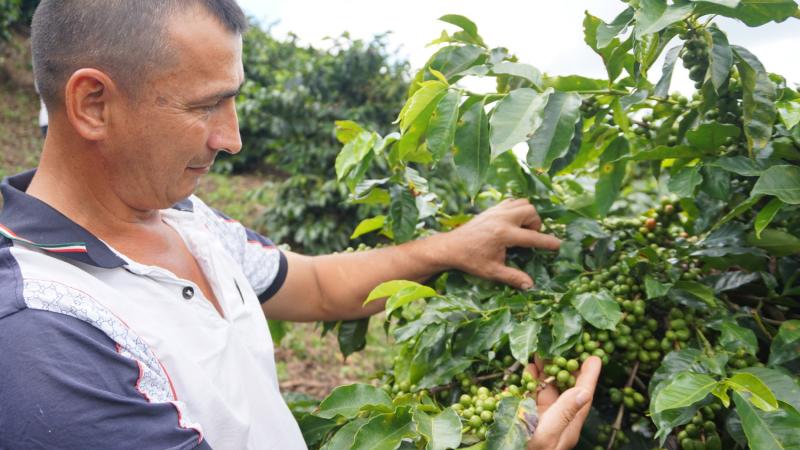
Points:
(99, 351)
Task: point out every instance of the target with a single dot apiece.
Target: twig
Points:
(760, 324)
(621, 412)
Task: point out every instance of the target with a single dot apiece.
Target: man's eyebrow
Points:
(213, 98)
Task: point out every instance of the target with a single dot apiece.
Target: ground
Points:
(307, 363)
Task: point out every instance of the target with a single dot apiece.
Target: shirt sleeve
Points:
(262, 262)
(64, 385)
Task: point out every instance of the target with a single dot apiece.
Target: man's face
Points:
(162, 144)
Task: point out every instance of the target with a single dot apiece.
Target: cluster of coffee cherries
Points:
(604, 432)
(561, 370)
(678, 329)
(695, 55)
(701, 433)
(630, 397)
(477, 405)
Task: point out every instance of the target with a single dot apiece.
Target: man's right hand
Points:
(561, 417)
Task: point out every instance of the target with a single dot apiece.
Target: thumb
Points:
(512, 277)
(558, 417)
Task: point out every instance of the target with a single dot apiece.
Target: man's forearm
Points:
(346, 279)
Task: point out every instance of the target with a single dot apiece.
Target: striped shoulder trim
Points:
(70, 247)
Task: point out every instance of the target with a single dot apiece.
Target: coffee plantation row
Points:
(680, 261)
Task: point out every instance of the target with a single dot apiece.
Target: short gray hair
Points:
(124, 38)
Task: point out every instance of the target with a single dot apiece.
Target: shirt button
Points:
(188, 292)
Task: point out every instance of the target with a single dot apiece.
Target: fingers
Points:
(569, 411)
(523, 237)
(512, 277)
(526, 215)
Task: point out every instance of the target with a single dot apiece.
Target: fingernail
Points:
(581, 398)
(526, 286)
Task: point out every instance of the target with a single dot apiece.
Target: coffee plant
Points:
(680, 261)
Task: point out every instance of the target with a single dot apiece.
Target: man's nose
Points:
(225, 137)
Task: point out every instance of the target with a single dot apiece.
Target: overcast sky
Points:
(548, 37)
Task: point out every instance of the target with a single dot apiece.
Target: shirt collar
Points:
(28, 220)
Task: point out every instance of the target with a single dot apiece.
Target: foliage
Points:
(15, 14)
(293, 94)
(287, 107)
(680, 258)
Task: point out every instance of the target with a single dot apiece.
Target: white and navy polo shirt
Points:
(98, 351)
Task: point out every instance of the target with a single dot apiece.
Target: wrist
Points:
(438, 253)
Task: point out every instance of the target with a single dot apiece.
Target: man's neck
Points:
(80, 190)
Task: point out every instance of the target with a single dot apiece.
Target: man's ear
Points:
(86, 99)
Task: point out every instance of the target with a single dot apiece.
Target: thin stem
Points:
(621, 411)
(760, 324)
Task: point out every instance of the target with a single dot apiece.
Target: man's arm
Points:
(333, 287)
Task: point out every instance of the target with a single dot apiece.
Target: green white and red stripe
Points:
(70, 247)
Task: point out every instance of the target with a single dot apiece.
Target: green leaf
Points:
(734, 336)
(684, 390)
(315, 428)
(574, 83)
(347, 401)
(785, 388)
(404, 214)
(441, 431)
(385, 431)
(655, 288)
(612, 174)
(716, 183)
(368, 226)
(566, 325)
(759, 394)
(516, 117)
(465, 24)
(684, 183)
(786, 345)
(392, 288)
(481, 334)
(419, 102)
(454, 59)
(789, 112)
(343, 439)
(524, 71)
(662, 87)
(552, 138)
(711, 136)
(352, 335)
(774, 430)
(442, 126)
(765, 216)
(744, 166)
(753, 13)
(655, 15)
(780, 181)
(524, 339)
(514, 422)
(472, 150)
(347, 130)
(277, 329)
(732, 280)
(758, 99)
(699, 290)
(599, 309)
(664, 152)
(606, 32)
(353, 153)
(776, 242)
(720, 57)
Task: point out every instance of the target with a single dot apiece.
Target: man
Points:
(131, 314)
